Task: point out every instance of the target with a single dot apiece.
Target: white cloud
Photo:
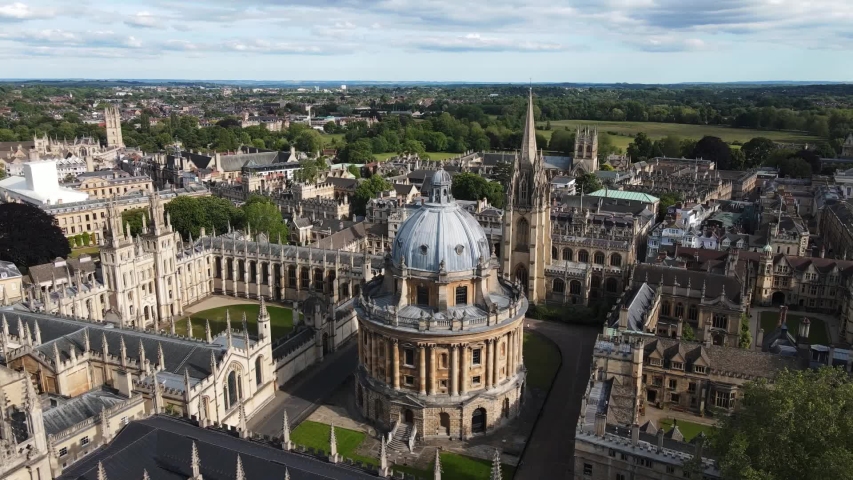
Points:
(19, 11)
(280, 48)
(474, 42)
(144, 20)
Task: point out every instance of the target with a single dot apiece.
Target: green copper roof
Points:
(623, 195)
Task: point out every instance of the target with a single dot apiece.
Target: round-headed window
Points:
(460, 249)
(424, 249)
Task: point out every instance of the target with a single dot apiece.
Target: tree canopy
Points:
(263, 216)
(29, 236)
(133, 219)
(190, 214)
(470, 186)
(587, 183)
(798, 427)
(714, 149)
(366, 190)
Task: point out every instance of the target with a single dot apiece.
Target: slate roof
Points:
(65, 333)
(77, 409)
(9, 270)
(163, 445)
(637, 302)
(343, 183)
(669, 276)
(48, 271)
(721, 360)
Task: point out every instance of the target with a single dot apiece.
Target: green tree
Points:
(562, 141)
(29, 236)
(757, 151)
(641, 149)
(714, 149)
(669, 146)
(354, 170)
(190, 214)
(502, 172)
(133, 218)
(359, 151)
(687, 333)
(366, 190)
(587, 183)
(262, 216)
(309, 141)
(311, 169)
(797, 427)
(667, 200)
(259, 143)
(330, 127)
(470, 186)
(607, 167)
(745, 339)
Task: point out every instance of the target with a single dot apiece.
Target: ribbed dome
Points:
(436, 232)
(441, 177)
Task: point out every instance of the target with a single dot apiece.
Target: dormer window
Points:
(677, 366)
(699, 369)
(655, 362)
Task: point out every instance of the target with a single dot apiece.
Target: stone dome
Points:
(441, 231)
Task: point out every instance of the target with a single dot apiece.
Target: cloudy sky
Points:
(650, 41)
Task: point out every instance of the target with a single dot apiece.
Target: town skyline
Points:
(652, 42)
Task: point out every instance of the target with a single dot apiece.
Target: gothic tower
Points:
(118, 265)
(112, 119)
(586, 151)
(527, 220)
(162, 241)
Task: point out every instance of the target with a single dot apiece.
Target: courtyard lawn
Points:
(328, 138)
(91, 251)
(817, 331)
(316, 435)
(626, 131)
(688, 429)
(542, 359)
(280, 318)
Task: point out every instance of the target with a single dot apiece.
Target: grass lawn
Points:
(688, 429)
(542, 359)
(280, 318)
(91, 251)
(381, 157)
(455, 467)
(626, 131)
(328, 138)
(817, 331)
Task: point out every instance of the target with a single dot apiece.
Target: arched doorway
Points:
(478, 421)
(778, 298)
(444, 422)
(408, 416)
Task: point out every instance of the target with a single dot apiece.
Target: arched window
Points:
(595, 281)
(554, 253)
(443, 360)
(559, 285)
(575, 287)
(259, 371)
(583, 256)
(616, 260)
(679, 310)
(693, 313)
(522, 231)
(521, 276)
(598, 258)
(665, 308)
(291, 276)
(462, 295)
(568, 254)
(422, 295)
(233, 390)
(611, 285)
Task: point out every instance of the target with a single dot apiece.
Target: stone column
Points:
(396, 360)
(360, 339)
(487, 362)
(493, 371)
(368, 355)
(463, 370)
(422, 368)
(387, 346)
(374, 353)
(432, 371)
(509, 352)
(454, 370)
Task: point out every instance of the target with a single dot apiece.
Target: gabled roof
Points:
(721, 360)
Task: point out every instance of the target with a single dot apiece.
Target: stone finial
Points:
(187, 386)
(286, 471)
(56, 357)
(241, 474)
(161, 359)
(244, 429)
(286, 444)
(105, 347)
(36, 330)
(383, 459)
(30, 395)
(190, 327)
(122, 351)
(102, 474)
(145, 475)
(87, 345)
(496, 473)
(202, 413)
(105, 426)
(208, 334)
(333, 446)
(228, 328)
(436, 473)
(195, 463)
(141, 353)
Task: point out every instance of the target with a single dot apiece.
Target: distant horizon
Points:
(375, 82)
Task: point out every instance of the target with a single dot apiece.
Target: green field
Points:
(280, 318)
(626, 131)
(817, 331)
(381, 157)
(542, 359)
(328, 138)
(455, 467)
(688, 429)
(91, 251)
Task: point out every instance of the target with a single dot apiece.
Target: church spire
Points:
(528, 143)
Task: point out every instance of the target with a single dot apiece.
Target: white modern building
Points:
(39, 186)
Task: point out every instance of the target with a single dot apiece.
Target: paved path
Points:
(302, 395)
(550, 450)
